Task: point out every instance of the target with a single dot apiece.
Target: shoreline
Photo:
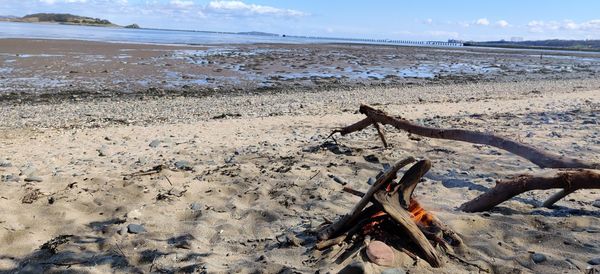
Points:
(76, 111)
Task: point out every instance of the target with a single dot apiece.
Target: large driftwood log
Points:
(348, 220)
(537, 156)
(568, 180)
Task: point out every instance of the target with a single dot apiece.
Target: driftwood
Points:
(537, 156)
(503, 191)
(392, 206)
(392, 218)
(334, 229)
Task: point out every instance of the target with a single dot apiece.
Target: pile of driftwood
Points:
(567, 174)
(393, 217)
(387, 212)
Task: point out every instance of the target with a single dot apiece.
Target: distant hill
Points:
(62, 18)
(583, 45)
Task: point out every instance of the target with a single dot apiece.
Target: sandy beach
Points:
(243, 178)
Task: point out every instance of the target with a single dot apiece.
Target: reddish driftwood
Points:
(504, 190)
(537, 156)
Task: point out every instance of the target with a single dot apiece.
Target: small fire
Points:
(419, 214)
(372, 226)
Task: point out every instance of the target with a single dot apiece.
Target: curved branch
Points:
(539, 157)
(504, 190)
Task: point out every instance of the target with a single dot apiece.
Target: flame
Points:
(419, 214)
(372, 226)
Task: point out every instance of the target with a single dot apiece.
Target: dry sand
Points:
(238, 192)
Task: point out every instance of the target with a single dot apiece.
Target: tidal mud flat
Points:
(239, 182)
(30, 66)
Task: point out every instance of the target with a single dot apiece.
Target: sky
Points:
(391, 19)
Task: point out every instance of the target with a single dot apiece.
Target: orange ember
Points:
(419, 214)
(372, 226)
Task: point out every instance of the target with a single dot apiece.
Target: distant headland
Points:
(64, 18)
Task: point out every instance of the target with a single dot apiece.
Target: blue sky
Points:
(394, 19)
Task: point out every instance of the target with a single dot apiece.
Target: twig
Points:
(463, 261)
(353, 192)
(312, 177)
(168, 180)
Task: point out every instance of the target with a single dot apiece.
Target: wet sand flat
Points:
(66, 66)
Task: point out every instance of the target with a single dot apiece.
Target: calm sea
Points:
(57, 31)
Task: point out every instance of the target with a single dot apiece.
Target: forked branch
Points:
(537, 156)
(504, 190)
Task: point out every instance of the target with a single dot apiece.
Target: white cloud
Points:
(565, 25)
(482, 22)
(50, 2)
(502, 23)
(182, 3)
(428, 21)
(240, 7)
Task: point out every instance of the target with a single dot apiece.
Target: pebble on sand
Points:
(5, 164)
(538, 258)
(135, 228)
(393, 271)
(380, 253)
(184, 165)
(36, 179)
(595, 261)
(154, 143)
(102, 151)
(353, 268)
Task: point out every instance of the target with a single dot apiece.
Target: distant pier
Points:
(380, 41)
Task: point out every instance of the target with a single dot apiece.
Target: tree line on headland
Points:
(63, 18)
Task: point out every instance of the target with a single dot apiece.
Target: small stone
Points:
(371, 181)
(393, 271)
(338, 180)
(122, 231)
(135, 228)
(102, 151)
(196, 207)
(184, 165)
(380, 253)
(29, 171)
(5, 164)
(34, 178)
(154, 143)
(353, 268)
(9, 178)
(595, 261)
(134, 214)
(371, 158)
(596, 203)
(538, 258)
